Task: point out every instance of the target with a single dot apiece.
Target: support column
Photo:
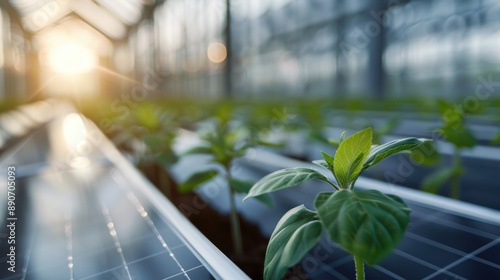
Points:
(376, 72)
(228, 69)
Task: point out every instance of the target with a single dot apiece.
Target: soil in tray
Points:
(216, 227)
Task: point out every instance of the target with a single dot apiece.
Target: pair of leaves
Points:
(352, 157)
(366, 223)
(356, 153)
(224, 144)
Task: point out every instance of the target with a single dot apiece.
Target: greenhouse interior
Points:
(249, 139)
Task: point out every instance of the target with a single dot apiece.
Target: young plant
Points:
(366, 223)
(455, 132)
(224, 145)
(149, 133)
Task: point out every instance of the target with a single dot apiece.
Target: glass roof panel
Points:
(99, 18)
(107, 16)
(29, 6)
(75, 30)
(127, 11)
(35, 15)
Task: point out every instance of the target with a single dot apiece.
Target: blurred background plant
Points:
(455, 131)
(148, 134)
(224, 141)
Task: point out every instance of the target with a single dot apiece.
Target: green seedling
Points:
(366, 223)
(224, 145)
(458, 134)
(315, 121)
(149, 133)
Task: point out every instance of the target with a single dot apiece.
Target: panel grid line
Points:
(450, 249)
(132, 262)
(461, 260)
(187, 270)
(144, 215)
(329, 268)
(388, 272)
(468, 229)
(116, 241)
(424, 263)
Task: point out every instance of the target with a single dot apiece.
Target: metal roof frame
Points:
(52, 16)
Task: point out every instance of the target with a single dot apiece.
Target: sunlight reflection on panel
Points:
(76, 139)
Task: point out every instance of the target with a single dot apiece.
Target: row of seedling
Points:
(355, 219)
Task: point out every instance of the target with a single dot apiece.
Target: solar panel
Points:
(90, 215)
(98, 219)
(446, 239)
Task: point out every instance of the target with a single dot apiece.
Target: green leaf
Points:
(445, 108)
(154, 141)
(197, 179)
(436, 180)
(166, 158)
(329, 160)
(284, 178)
(245, 186)
(295, 234)
(321, 163)
(388, 149)
(199, 150)
(240, 185)
(355, 166)
(269, 144)
(366, 223)
(147, 116)
(459, 136)
(426, 154)
(351, 151)
(342, 136)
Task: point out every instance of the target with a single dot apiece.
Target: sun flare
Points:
(72, 58)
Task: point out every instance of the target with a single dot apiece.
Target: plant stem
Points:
(164, 181)
(235, 223)
(455, 179)
(360, 268)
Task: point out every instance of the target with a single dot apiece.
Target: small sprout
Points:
(366, 223)
(225, 144)
(455, 131)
